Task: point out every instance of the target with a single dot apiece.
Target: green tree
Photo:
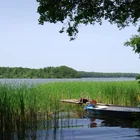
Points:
(134, 42)
(55, 72)
(72, 13)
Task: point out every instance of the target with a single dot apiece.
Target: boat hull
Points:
(115, 111)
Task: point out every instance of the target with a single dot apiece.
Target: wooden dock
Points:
(77, 101)
(73, 101)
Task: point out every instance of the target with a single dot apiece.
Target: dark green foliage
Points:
(134, 42)
(138, 79)
(48, 72)
(106, 75)
(55, 72)
(72, 13)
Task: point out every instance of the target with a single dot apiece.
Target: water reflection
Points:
(93, 123)
(67, 126)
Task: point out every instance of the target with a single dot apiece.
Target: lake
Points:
(39, 81)
(82, 129)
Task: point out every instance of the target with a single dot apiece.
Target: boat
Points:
(115, 111)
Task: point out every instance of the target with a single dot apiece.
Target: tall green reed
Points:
(122, 93)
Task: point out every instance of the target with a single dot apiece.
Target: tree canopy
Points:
(56, 72)
(72, 13)
(47, 72)
(134, 42)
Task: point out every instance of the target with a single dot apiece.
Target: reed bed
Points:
(22, 99)
(122, 93)
(22, 105)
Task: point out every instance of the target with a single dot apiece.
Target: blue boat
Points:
(114, 111)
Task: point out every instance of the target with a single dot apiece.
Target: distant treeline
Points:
(55, 72)
(107, 75)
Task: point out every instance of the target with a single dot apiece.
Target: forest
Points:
(56, 72)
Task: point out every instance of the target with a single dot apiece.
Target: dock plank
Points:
(74, 101)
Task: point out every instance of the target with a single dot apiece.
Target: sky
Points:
(25, 43)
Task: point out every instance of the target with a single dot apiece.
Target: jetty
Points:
(75, 101)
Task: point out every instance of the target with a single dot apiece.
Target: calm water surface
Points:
(87, 129)
(39, 81)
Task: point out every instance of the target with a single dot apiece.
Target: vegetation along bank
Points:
(56, 72)
(45, 97)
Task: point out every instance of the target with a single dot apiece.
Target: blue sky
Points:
(24, 43)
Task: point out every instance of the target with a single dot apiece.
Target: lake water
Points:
(75, 128)
(39, 81)
(84, 129)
